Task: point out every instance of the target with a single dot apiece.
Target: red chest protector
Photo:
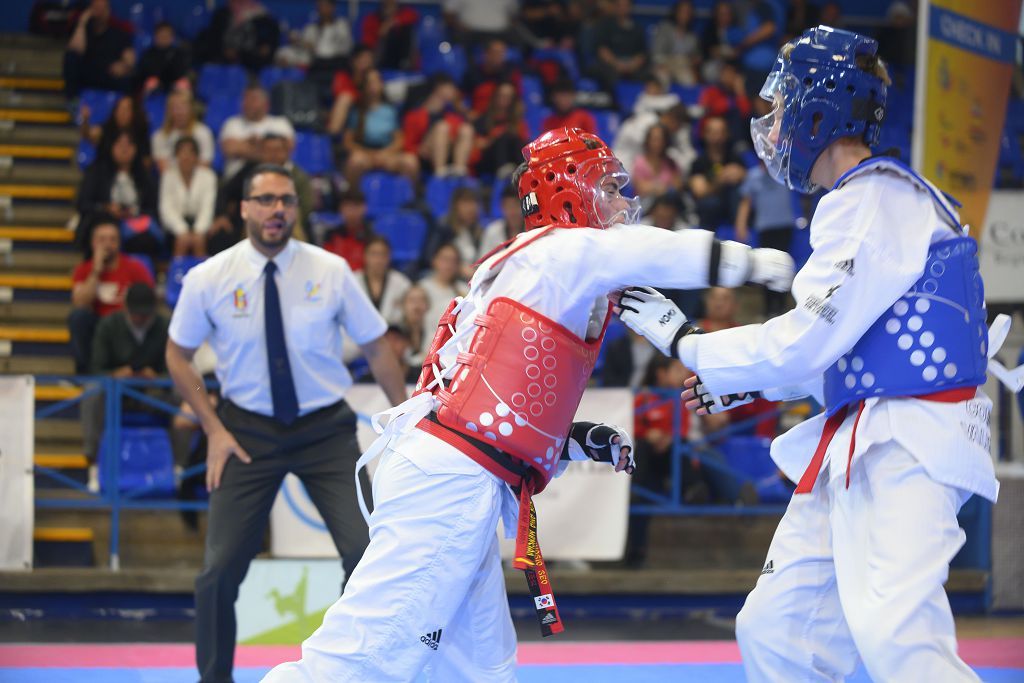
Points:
(518, 385)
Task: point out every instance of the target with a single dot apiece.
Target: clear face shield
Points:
(610, 206)
(772, 134)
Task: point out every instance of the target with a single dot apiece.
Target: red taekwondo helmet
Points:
(572, 179)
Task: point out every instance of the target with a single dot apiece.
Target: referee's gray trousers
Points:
(321, 449)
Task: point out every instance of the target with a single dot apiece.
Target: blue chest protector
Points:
(931, 339)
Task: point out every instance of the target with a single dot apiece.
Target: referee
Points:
(272, 308)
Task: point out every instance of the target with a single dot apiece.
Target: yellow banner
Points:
(963, 81)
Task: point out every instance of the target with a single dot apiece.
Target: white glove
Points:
(771, 268)
(650, 314)
(601, 443)
(701, 401)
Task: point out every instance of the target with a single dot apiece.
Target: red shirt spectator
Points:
(417, 123)
(576, 118)
(649, 416)
(373, 27)
(114, 281)
(348, 240)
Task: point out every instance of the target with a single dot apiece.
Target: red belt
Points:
(835, 420)
(528, 557)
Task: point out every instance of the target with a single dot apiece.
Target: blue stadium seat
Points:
(438, 192)
(176, 273)
(431, 34)
(535, 119)
(406, 231)
(565, 58)
(447, 58)
(533, 91)
(587, 85)
(100, 103)
(748, 456)
(385, 192)
(218, 110)
(86, 153)
(313, 153)
(626, 95)
(145, 460)
(607, 124)
(155, 105)
(688, 94)
(187, 18)
(272, 75)
(496, 189)
(221, 81)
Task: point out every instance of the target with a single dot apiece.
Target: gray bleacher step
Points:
(37, 365)
(35, 173)
(23, 99)
(26, 213)
(31, 41)
(61, 430)
(34, 312)
(51, 447)
(39, 61)
(38, 261)
(30, 134)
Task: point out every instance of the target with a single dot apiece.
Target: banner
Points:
(17, 490)
(965, 59)
(281, 602)
(1002, 248)
(582, 515)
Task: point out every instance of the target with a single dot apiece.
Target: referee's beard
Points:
(271, 233)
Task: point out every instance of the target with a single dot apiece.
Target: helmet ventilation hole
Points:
(808, 81)
(570, 169)
(830, 84)
(550, 176)
(568, 209)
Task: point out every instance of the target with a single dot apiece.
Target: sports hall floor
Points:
(696, 648)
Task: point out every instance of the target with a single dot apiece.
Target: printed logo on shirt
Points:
(769, 568)
(432, 640)
(820, 307)
(544, 601)
(241, 302)
(845, 266)
(313, 291)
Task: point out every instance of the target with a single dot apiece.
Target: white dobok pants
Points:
(859, 572)
(429, 593)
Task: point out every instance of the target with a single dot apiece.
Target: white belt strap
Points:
(997, 331)
(389, 424)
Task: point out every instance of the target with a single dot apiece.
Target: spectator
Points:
(389, 32)
(565, 113)
(621, 47)
(126, 116)
(437, 131)
(719, 40)
(383, 285)
(716, 176)
(897, 39)
(675, 53)
(461, 229)
(483, 79)
(131, 342)
(501, 133)
(349, 239)
(99, 285)
(188, 193)
(120, 185)
(655, 435)
(654, 173)
(666, 213)
(762, 28)
(283, 386)
(802, 15)
(629, 140)
(508, 226)
(242, 134)
(398, 341)
(241, 32)
(474, 22)
(417, 326)
(441, 283)
(227, 225)
(100, 53)
(773, 221)
(327, 42)
(720, 306)
(373, 139)
(165, 64)
(727, 98)
(626, 361)
(549, 22)
(344, 88)
(180, 121)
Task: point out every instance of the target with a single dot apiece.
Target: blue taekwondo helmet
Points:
(819, 95)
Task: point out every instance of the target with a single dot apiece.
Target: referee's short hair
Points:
(273, 169)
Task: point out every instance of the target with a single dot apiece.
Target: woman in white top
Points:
(384, 285)
(442, 283)
(188, 192)
(180, 120)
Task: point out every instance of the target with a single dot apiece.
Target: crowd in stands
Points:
(403, 129)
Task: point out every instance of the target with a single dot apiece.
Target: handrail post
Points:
(114, 415)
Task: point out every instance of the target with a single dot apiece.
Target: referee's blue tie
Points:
(282, 386)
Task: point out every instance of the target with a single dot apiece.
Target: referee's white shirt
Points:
(222, 300)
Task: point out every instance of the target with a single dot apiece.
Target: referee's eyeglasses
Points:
(269, 201)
